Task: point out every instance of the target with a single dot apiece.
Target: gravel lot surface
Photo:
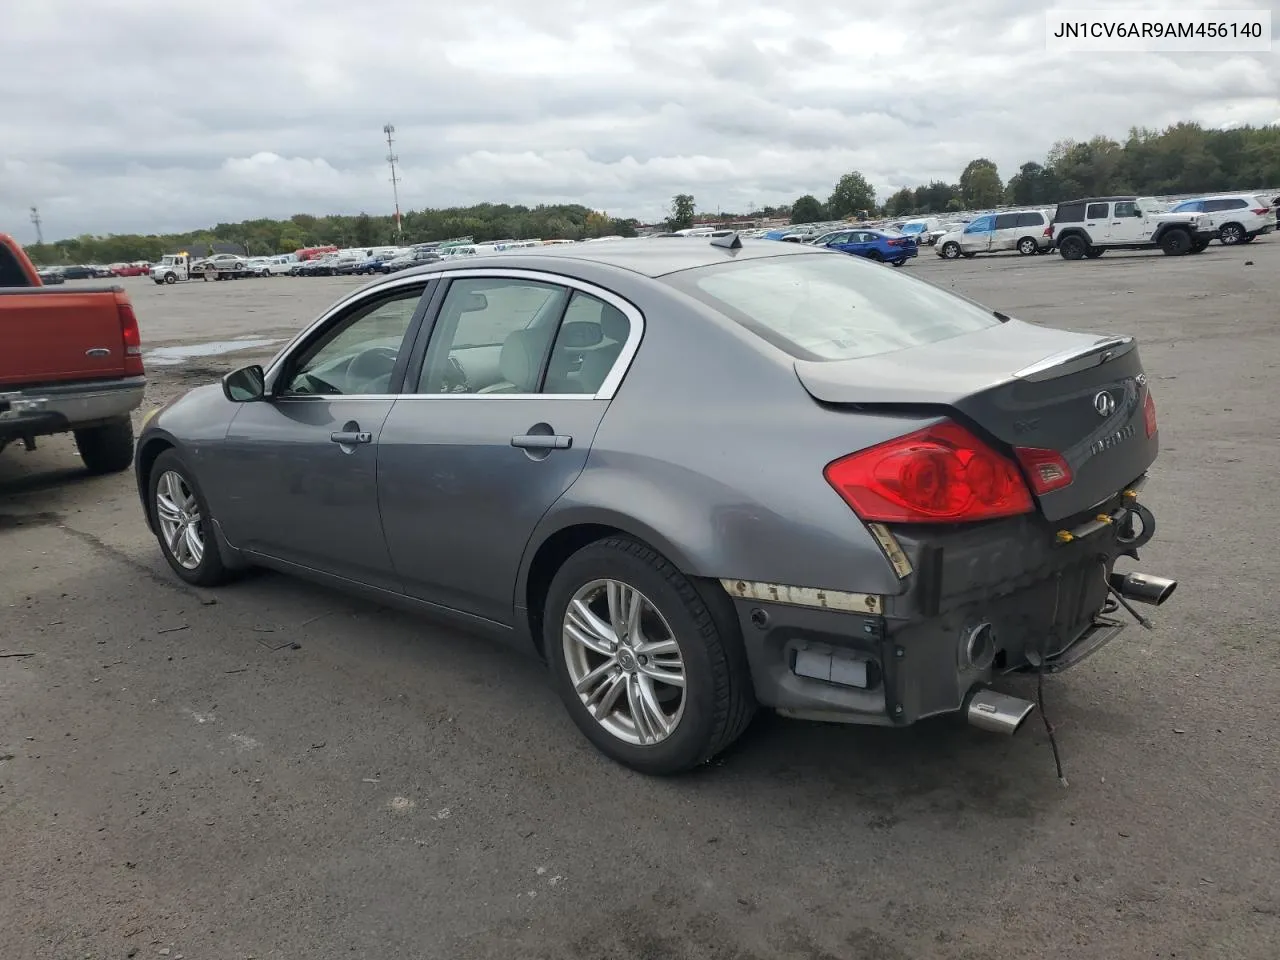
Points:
(274, 771)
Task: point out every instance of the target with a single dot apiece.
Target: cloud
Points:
(121, 119)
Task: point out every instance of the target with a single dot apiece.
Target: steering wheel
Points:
(371, 368)
(454, 379)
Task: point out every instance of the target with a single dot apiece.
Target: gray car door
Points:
(300, 467)
(517, 373)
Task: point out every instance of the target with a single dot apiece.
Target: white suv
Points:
(1237, 218)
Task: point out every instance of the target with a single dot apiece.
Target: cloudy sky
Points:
(133, 115)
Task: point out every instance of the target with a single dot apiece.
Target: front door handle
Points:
(350, 437)
(542, 441)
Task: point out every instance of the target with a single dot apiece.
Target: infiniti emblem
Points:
(1104, 403)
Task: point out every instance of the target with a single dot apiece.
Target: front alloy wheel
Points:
(178, 514)
(624, 662)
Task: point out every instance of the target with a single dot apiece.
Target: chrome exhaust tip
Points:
(1143, 587)
(997, 712)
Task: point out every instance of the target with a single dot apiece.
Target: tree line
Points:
(1182, 159)
(263, 237)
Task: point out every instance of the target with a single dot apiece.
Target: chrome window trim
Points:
(608, 388)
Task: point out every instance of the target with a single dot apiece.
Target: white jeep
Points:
(1089, 228)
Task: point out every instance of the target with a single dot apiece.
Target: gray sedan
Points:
(696, 477)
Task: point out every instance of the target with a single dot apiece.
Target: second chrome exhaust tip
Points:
(997, 712)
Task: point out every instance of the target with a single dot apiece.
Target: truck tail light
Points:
(941, 474)
(1149, 415)
(129, 335)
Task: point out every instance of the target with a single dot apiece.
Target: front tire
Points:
(652, 671)
(182, 523)
(170, 278)
(1175, 243)
(108, 448)
(1093, 253)
(950, 250)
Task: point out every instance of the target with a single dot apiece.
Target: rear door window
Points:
(819, 307)
(1096, 211)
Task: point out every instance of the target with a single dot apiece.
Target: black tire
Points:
(719, 696)
(950, 250)
(1093, 253)
(1249, 238)
(170, 278)
(1199, 246)
(1230, 234)
(210, 571)
(108, 448)
(899, 263)
(1072, 247)
(1027, 246)
(1175, 242)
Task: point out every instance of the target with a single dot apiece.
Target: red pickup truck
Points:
(70, 360)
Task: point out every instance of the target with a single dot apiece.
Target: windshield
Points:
(913, 228)
(828, 307)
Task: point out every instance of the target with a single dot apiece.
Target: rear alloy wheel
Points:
(181, 521)
(108, 448)
(1175, 243)
(1072, 248)
(1231, 234)
(1027, 246)
(950, 250)
(651, 672)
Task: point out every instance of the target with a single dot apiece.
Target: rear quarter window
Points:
(825, 307)
(1006, 221)
(1069, 213)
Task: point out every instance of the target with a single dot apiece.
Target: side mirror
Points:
(245, 385)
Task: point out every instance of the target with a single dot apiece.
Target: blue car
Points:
(883, 246)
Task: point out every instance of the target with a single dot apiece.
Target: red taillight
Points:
(941, 474)
(1261, 213)
(896, 243)
(130, 335)
(1149, 414)
(1048, 231)
(1046, 468)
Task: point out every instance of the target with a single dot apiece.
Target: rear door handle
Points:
(350, 437)
(542, 441)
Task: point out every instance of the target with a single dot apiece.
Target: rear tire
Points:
(717, 701)
(899, 263)
(208, 570)
(1231, 234)
(1072, 248)
(108, 448)
(1027, 246)
(1175, 242)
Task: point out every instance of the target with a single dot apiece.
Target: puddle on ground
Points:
(170, 356)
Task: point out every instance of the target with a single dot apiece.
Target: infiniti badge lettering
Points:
(1104, 403)
(1112, 440)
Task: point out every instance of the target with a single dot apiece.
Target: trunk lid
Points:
(50, 334)
(1077, 394)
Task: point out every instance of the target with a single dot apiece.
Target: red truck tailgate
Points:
(51, 334)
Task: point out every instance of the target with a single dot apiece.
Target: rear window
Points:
(11, 273)
(827, 307)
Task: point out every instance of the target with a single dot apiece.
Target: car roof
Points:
(648, 257)
(1098, 200)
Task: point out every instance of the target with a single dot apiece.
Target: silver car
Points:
(696, 477)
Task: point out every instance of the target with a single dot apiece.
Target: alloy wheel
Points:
(178, 513)
(624, 661)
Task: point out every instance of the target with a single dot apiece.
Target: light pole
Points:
(388, 129)
(35, 219)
